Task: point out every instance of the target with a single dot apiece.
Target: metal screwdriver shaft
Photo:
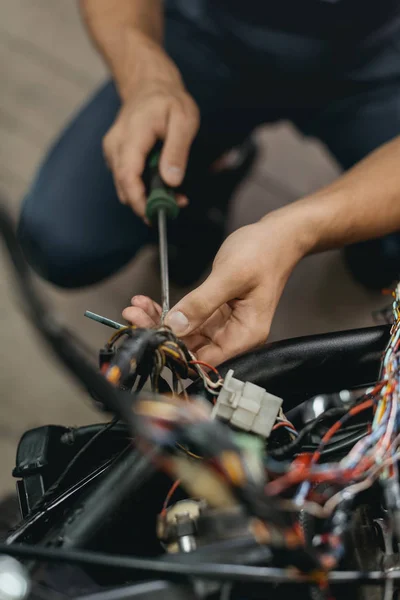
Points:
(161, 202)
(163, 248)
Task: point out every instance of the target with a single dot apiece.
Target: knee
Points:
(51, 248)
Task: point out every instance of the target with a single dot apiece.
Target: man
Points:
(200, 75)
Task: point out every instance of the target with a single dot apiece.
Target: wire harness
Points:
(204, 456)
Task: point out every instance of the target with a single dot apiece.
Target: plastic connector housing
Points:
(246, 406)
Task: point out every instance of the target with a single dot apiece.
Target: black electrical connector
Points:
(106, 355)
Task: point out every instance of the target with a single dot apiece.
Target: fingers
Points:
(175, 120)
(236, 328)
(183, 123)
(195, 308)
(127, 162)
(137, 316)
(182, 200)
(148, 305)
(210, 354)
(234, 339)
(144, 312)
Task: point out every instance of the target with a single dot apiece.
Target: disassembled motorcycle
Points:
(277, 472)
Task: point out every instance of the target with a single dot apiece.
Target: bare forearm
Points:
(122, 30)
(362, 204)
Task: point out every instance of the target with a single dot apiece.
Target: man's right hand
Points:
(156, 106)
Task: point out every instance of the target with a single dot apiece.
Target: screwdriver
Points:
(161, 204)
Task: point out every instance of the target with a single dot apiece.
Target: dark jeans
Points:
(72, 227)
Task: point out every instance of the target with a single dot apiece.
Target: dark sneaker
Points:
(375, 264)
(199, 230)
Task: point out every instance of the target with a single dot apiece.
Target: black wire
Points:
(339, 446)
(77, 456)
(66, 346)
(170, 568)
(287, 450)
(175, 382)
(141, 383)
(90, 430)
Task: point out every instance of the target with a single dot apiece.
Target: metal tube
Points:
(103, 320)
(162, 232)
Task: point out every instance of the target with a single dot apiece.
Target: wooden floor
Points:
(47, 68)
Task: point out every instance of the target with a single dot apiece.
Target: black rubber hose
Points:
(171, 569)
(122, 480)
(67, 348)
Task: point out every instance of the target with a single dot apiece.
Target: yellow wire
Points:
(381, 410)
(172, 353)
(118, 334)
(186, 451)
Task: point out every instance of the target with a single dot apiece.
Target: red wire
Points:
(300, 474)
(204, 364)
(171, 492)
(336, 426)
(277, 486)
(284, 424)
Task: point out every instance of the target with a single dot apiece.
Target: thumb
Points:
(195, 308)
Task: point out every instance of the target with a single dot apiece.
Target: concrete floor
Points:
(47, 68)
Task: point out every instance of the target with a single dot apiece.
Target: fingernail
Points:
(174, 169)
(175, 174)
(178, 322)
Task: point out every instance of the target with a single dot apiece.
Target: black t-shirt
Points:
(320, 18)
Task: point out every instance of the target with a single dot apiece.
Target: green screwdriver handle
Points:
(160, 196)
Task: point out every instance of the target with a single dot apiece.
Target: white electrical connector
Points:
(246, 406)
